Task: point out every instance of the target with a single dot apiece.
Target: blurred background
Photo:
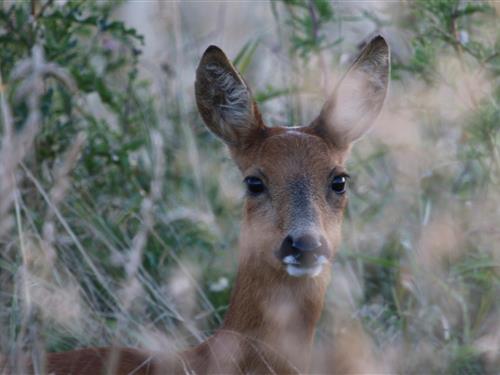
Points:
(119, 211)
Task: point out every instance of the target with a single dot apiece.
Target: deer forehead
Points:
(289, 154)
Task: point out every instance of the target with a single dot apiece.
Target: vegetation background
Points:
(119, 211)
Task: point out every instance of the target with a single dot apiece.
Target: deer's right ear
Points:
(358, 98)
(224, 100)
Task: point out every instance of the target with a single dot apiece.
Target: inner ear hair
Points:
(230, 96)
(224, 99)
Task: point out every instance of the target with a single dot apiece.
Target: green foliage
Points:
(465, 361)
(446, 24)
(307, 20)
(102, 210)
(245, 56)
(101, 56)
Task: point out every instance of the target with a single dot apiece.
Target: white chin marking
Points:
(301, 271)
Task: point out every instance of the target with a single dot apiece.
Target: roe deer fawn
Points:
(296, 193)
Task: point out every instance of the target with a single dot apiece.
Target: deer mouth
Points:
(304, 255)
(312, 269)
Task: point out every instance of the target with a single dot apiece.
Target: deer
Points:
(296, 193)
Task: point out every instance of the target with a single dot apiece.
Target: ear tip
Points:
(378, 37)
(213, 54)
(213, 50)
(380, 42)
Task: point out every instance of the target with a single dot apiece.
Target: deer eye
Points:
(254, 185)
(339, 184)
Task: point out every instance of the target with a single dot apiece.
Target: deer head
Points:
(295, 177)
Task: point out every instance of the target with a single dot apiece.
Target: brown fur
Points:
(270, 324)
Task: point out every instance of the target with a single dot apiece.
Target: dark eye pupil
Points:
(254, 185)
(338, 184)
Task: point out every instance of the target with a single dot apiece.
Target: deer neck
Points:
(273, 313)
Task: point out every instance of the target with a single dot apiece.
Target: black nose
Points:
(303, 250)
(306, 242)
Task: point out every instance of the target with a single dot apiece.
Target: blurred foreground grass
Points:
(118, 211)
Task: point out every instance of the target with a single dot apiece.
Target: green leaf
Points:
(245, 56)
(273, 92)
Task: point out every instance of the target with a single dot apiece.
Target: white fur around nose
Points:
(290, 259)
(297, 271)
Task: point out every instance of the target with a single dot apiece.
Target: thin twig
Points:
(315, 29)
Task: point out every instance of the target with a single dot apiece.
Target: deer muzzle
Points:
(304, 255)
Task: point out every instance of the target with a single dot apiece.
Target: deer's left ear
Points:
(358, 98)
(224, 100)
